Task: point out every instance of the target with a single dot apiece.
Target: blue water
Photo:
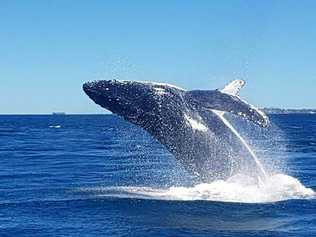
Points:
(100, 176)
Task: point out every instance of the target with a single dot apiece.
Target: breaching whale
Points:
(188, 123)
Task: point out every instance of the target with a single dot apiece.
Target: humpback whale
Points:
(188, 123)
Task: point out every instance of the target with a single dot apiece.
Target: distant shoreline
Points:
(288, 111)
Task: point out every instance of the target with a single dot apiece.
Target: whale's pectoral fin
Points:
(237, 106)
(234, 87)
(227, 100)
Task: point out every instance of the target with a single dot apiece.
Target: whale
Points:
(188, 123)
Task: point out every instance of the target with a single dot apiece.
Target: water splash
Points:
(239, 188)
(246, 145)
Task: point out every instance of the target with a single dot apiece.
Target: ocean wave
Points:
(55, 126)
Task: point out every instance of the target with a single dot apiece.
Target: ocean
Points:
(97, 175)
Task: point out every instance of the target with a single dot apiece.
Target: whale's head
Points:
(144, 102)
(133, 100)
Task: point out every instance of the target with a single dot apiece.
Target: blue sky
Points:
(49, 48)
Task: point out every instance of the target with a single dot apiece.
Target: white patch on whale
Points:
(196, 125)
(160, 91)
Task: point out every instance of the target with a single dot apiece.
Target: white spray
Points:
(233, 88)
(246, 145)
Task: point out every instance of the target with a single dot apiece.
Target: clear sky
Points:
(49, 48)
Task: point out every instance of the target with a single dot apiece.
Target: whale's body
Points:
(187, 123)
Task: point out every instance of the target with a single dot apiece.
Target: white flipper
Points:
(233, 87)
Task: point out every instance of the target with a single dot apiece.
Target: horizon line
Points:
(110, 113)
